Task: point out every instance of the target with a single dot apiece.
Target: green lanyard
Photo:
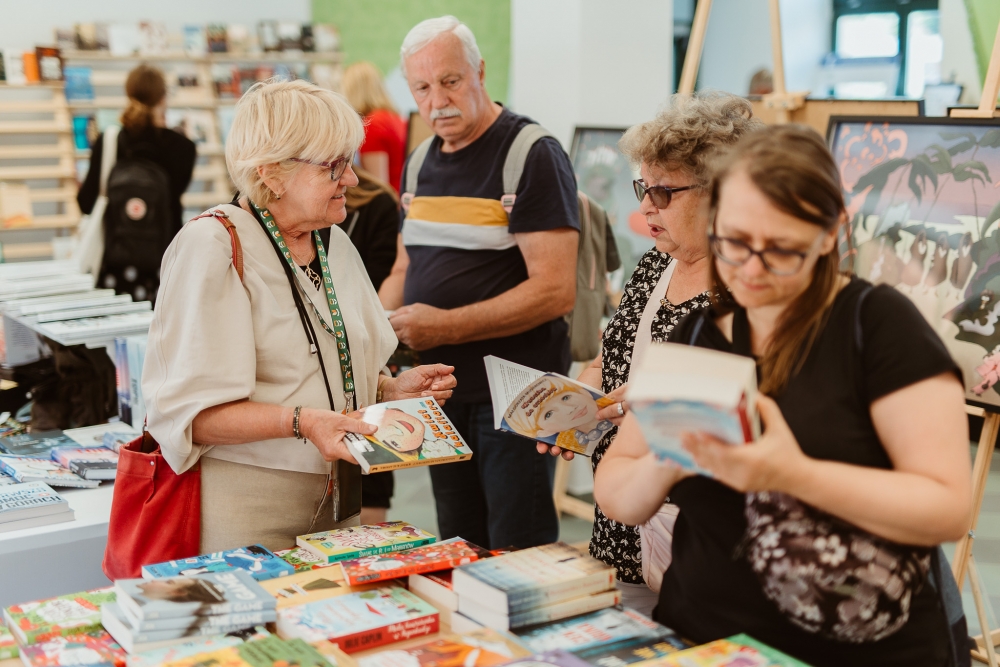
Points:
(338, 331)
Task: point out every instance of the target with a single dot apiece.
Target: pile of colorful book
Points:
(80, 457)
(30, 505)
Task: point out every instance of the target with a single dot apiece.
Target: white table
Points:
(60, 558)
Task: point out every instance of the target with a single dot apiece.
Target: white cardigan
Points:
(214, 340)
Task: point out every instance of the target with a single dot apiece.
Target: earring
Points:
(277, 196)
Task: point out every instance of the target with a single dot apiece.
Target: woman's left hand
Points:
(765, 465)
(434, 380)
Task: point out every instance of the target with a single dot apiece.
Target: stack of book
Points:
(266, 652)
(36, 457)
(429, 558)
(258, 561)
(532, 586)
(31, 504)
(154, 613)
(479, 648)
(334, 546)
(8, 645)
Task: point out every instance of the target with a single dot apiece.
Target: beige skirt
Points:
(243, 505)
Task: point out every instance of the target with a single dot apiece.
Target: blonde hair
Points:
(145, 88)
(363, 88)
(278, 120)
(525, 419)
(689, 132)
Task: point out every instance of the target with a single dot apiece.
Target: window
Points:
(874, 35)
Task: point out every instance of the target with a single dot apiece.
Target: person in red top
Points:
(384, 148)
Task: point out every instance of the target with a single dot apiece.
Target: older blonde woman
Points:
(254, 377)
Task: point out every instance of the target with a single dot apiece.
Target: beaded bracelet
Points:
(296, 415)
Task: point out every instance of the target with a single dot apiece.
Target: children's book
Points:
(30, 469)
(195, 646)
(208, 593)
(310, 586)
(575, 606)
(380, 538)
(480, 648)
(133, 640)
(602, 629)
(88, 462)
(737, 651)
(8, 645)
(361, 621)
(556, 658)
(255, 559)
(302, 559)
(28, 500)
(95, 648)
(412, 432)
(38, 444)
(522, 580)
(636, 651)
(680, 388)
(33, 622)
(432, 557)
(546, 407)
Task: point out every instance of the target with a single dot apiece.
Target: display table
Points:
(52, 560)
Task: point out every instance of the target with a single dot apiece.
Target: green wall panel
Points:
(984, 15)
(374, 29)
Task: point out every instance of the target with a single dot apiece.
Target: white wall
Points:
(738, 43)
(959, 59)
(588, 62)
(27, 23)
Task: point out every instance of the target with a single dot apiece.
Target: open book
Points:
(546, 407)
(679, 388)
(411, 432)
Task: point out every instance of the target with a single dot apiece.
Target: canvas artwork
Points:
(604, 175)
(923, 199)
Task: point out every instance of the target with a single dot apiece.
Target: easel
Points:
(964, 561)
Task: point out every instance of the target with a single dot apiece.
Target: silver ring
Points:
(621, 409)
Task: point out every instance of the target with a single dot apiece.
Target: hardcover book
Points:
(602, 629)
(89, 463)
(680, 388)
(132, 640)
(8, 645)
(546, 407)
(530, 578)
(556, 658)
(195, 646)
(436, 588)
(380, 538)
(209, 593)
(411, 432)
(28, 469)
(480, 648)
(28, 500)
(361, 621)
(535, 615)
(33, 622)
(39, 444)
(96, 648)
(255, 559)
(737, 651)
(302, 559)
(430, 558)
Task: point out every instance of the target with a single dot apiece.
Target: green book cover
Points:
(75, 613)
(358, 541)
(8, 645)
(777, 658)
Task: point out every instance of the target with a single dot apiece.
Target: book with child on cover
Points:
(546, 407)
(411, 432)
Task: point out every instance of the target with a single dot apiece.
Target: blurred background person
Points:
(384, 148)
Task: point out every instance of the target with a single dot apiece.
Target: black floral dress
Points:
(615, 543)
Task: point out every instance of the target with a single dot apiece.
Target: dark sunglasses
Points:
(660, 195)
(337, 167)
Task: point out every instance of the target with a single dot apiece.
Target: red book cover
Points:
(389, 634)
(430, 558)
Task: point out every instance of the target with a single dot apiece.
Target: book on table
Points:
(98, 463)
(370, 540)
(436, 588)
(480, 648)
(546, 407)
(310, 586)
(303, 559)
(38, 444)
(556, 658)
(600, 631)
(230, 592)
(95, 436)
(680, 388)
(74, 613)
(737, 651)
(194, 646)
(256, 559)
(8, 644)
(429, 558)
(500, 620)
(411, 432)
(361, 621)
(96, 648)
(30, 469)
(268, 651)
(31, 502)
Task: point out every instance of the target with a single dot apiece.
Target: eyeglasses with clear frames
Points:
(778, 261)
(337, 167)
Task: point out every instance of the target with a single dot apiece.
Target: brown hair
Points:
(363, 88)
(689, 132)
(145, 87)
(792, 167)
(367, 189)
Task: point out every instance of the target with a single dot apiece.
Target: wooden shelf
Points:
(34, 127)
(119, 103)
(26, 251)
(29, 152)
(335, 57)
(36, 173)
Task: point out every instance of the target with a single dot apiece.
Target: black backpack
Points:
(137, 219)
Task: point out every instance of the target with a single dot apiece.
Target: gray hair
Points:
(427, 31)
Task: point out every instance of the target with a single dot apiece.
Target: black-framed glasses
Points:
(337, 167)
(660, 195)
(779, 261)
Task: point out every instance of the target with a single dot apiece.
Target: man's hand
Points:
(421, 326)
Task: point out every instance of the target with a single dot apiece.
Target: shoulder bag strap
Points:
(517, 157)
(234, 238)
(413, 172)
(109, 156)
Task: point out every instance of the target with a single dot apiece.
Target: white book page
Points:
(507, 380)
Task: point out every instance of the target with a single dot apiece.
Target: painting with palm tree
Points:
(923, 202)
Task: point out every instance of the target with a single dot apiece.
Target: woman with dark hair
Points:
(143, 136)
(819, 537)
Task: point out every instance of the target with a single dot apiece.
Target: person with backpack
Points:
(481, 271)
(152, 169)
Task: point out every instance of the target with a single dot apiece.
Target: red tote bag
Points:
(156, 513)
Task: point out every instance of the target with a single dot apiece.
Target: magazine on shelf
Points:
(681, 388)
(209, 593)
(370, 540)
(546, 407)
(411, 432)
(74, 613)
(29, 469)
(255, 559)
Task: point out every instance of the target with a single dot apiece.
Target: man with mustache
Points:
(472, 278)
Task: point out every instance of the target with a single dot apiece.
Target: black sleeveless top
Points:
(708, 592)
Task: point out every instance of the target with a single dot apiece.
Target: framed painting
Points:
(923, 200)
(604, 175)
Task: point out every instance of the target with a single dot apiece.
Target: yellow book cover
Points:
(357, 541)
(312, 585)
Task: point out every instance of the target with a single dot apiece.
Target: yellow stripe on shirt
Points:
(459, 210)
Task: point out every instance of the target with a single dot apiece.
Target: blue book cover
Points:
(256, 560)
(230, 592)
(78, 84)
(591, 631)
(36, 445)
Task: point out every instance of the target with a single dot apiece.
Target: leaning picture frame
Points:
(923, 205)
